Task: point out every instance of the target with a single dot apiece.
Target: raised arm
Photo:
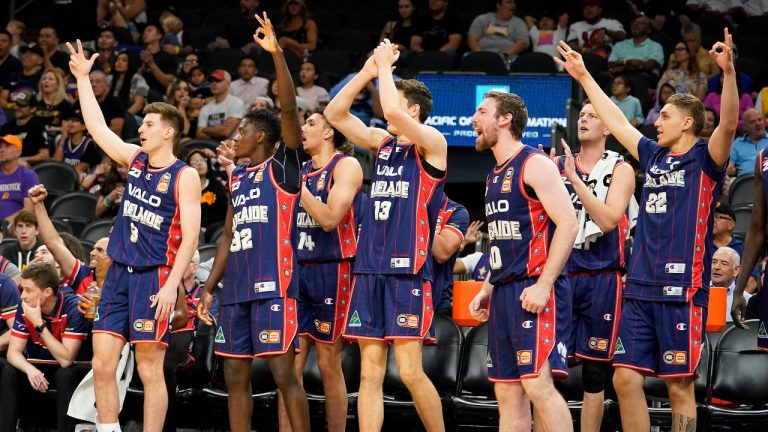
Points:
(721, 141)
(112, 144)
(608, 112)
(428, 139)
(48, 233)
(347, 180)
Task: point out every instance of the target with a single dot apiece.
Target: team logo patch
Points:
(275, 308)
(144, 325)
(259, 174)
(354, 320)
(506, 185)
(619, 347)
(321, 181)
(674, 357)
(524, 357)
(598, 344)
(328, 300)
(408, 320)
(527, 324)
(488, 360)
(219, 336)
(162, 185)
(385, 153)
(6, 195)
(323, 326)
(269, 336)
(761, 333)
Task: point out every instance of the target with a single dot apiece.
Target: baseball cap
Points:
(33, 47)
(23, 98)
(220, 75)
(12, 139)
(724, 208)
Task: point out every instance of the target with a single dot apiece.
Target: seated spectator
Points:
(314, 95)
(76, 148)
(178, 96)
(30, 129)
(219, 118)
(725, 269)
(130, 14)
(761, 103)
(745, 80)
(297, 31)
(263, 102)
(8, 63)
(500, 32)
(745, 99)
(249, 86)
(158, 66)
(28, 78)
(24, 227)
(8, 268)
(711, 121)
(15, 179)
(17, 29)
(683, 73)
(112, 108)
(640, 54)
(657, 10)
(44, 349)
(173, 28)
(106, 46)
(722, 229)
(595, 34)
(214, 198)
(691, 34)
(628, 104)
(93, 181)
(746, 147)
(128, 85)
(53, 108)
(48, 38)
(400, 30)
(9, 301)
(547, 32)
(238, 33)
(663, 93)
(191, 59)
(111, 191)
(437, 30)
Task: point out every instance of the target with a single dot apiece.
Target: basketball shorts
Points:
(762, 330)
(596, 312)
(259, 328)
(324, 290)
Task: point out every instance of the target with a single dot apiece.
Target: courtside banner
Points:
(456, 96)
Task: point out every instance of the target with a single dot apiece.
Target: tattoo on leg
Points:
(683, 423)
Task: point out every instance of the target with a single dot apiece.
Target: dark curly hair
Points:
(265, 121)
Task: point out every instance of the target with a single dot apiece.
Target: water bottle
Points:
(95, 294)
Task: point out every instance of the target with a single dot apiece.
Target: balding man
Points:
(746, 147)
(725, 268)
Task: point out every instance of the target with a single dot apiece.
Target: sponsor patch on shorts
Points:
(269, 336)
(143, 325)
(675, 357)
(219, 336)
(598, 344)
(323, 326)
(408, 320)
(524, 357)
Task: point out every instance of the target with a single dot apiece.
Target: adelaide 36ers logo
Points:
(321, 181)
(506, 185)
(165, 180)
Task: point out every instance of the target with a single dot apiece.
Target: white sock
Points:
(108, 427)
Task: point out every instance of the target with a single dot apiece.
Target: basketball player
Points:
(667, 291)
(392, 291)
(153, 239)
(257, 307)
(532, 226)
(452, 223)
(600, 184)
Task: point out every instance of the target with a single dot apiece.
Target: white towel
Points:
(589, 231)
(83, 403)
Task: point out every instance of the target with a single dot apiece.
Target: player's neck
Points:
(323, 155)
(590, 154)
(161, 156)
(683, 144)
(505, 148)
(262, 152)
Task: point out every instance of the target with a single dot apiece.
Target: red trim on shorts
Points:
(111, 333)
(694, 355)
(648, 372)
(545, 333)
(340, 312)
(504, 380)
(240, 356)
(428, 313)
(616, 314)
(356, 337)
(162, 326)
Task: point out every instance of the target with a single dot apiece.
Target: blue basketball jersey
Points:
(73, 154)
(482, 268)
(454, 217)
(605, 254)
(673, 247)
(400, 218)
(261, 260)
(519, 227)
(313, 244)
(147, 229)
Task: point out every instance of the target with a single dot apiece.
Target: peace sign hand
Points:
(78, 64)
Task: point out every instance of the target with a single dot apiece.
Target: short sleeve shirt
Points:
(9, 301)
(14, 188)
(498, 35)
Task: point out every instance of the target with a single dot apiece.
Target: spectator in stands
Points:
(239, 32)
(25, 229)
(595, 34)
(711, 121)
(17, 29)
(199, 87)
(656, 10)
(8, 63)
(745, 99)
(500, 32)
(178, 96)
(30, 129)
(173, 28)
(94, 180)
(76, 148)
(628, 104)
(106, 46)
(220, 117)
(9, 301)
(7, 268)
(746, 81)
(663, 93)
(191, 59)
(28, 77)
(272, 92)
(683, 73)
(248, 86)
(111, 192)
(48, 38)
(639, 54)
(130, 14)
(159, 67)
(263, 102)
(214, 198)
(722, 231)
(112, 107)
(15, 179)
(128, 85)
(691, 34)
(400, 30)
(725, 269)
(53, 354)
(53, 108)
(746, 147)
(313, 94)
(546, 32)
(297, 31)
(438, 30)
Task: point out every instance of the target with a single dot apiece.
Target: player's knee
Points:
(330, 366)
(626, 380)
(150, 372)
(680, 389)
(372, 375)
(594, 375)
(103, 367)
(411, 373)
(538, 388)
(237, 373)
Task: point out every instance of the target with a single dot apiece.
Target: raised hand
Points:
(571, 61)
(371, 67)
(570, 163)
(473, 232)
(78, 64)
(268, 41)
(37, 194)
(386, 53)
(722, 52)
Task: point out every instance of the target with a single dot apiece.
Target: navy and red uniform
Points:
(520, 342)
(392, 290)
(144, 242)
(80, 278)
(258, 310)
(594, 271)
(667, 291)
(9, 301)
(325, 259)
(453, 217)
(762, 333)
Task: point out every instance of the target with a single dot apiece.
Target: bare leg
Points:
(283, 368)
(106, 356)
(423, 392)
(683, 401)
(634, 410)
(370, 401)
(552, 408)
(592, 411)
(329, 358)
(149, 362)
(305, 344)
(514, 407)
(237, 375)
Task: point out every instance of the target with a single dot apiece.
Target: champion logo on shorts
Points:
(761, 333)
(219, 336)
(354, 320)
(527, 324)
(619, 347)
(607, 317)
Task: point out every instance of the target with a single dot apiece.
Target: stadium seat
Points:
(62, 226)
(207, 252)
(429, 61)
(739, 375)
(227, 59)
(489, 63)
(649, 131)
(87, 248)
(333, 63)
(475, 403)
(327, 24)
(371, 21)
(742, 191)
(95, 230)
(77, 208)
(52, 196)
(743, 218)
(214, 236)
(58, 176)
(534, 62)
(353, 41)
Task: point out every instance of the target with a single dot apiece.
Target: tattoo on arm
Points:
(683, 423)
